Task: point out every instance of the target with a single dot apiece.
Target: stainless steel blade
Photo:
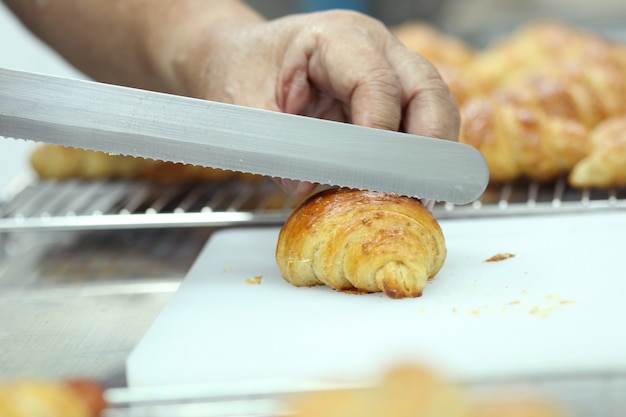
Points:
(121, 120)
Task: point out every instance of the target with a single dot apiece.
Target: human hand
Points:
(336, 65)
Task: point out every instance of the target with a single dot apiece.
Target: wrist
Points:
(182, 56)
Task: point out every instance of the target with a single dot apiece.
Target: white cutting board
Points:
(558, 306)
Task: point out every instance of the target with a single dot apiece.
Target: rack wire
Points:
(106, 205)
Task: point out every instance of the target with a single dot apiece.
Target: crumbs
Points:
(542, 309)
(500, 257)
(256, 280)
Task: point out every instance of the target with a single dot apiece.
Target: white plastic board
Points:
(557, 306)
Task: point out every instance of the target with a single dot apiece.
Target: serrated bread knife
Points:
(127, 121)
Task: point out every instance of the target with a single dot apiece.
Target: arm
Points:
(136, 43)
(337, 65)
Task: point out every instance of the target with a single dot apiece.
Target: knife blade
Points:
(127, 121)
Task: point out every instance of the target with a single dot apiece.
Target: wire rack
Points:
(107, 205)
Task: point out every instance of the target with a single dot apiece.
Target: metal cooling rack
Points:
(107, 205)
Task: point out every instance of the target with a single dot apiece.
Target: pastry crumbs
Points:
(255, 281)
(500, 257)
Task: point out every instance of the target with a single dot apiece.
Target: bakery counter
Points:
(76, 303)
(83, 332)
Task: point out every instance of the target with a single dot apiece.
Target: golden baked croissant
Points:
(37, 398)
(587, 92)
(364, 241)
(541, 45)
(414, 391)
(58, 162)
(535, 129)
(605, 165)
(519, 139)
(549, 85)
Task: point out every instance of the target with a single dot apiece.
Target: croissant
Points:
(542, 45)
(61, 163)
(587, 92)
(414, 391)
(605, 165)
(37, 398)
(364, 241)
(518, 139)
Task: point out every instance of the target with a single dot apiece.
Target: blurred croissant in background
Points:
(407, 390)
(605, 164)
(61, 163)
(531, 101)
(416, 391)
(39, 398)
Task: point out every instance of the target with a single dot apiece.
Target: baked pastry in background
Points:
(38, 398)
(544, 88)
(414, 391)
(541, 44)
(605, 164)
(360, 240)
(519, 134)
(530, 99)
(61, 163)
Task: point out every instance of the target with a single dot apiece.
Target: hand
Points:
(336, 65)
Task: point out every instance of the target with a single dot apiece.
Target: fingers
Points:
(429, 107)
(296, 188)
(384, 84)
(377, 99)
(347, 62)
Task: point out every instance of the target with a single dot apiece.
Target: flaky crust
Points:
(539, 45)
(364, 241)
